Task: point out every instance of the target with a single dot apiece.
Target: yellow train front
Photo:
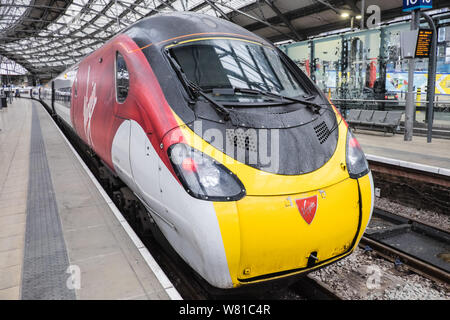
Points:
(243, 164)
(283, 225)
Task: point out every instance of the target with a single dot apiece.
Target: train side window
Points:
(122, 78)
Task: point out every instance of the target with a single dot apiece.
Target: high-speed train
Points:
(242, 163)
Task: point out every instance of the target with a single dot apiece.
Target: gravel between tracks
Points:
(363, 276)
(441, 221)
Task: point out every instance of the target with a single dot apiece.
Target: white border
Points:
(411, 165)
(152, 264)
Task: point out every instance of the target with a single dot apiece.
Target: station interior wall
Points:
(374, 58)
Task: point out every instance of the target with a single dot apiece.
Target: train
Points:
(24, 92)
(241, 162)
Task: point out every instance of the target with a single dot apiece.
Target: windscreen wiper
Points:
(199, 91)
(194, 90)
(313, 106)
(180, 74)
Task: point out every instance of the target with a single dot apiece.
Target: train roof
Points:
(160, 28)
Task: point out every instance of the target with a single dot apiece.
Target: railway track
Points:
(423, 248)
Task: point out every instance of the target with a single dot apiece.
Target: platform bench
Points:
(388, 121)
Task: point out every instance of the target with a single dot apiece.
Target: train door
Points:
(53, 98)
(74, 103)
(120, 151)
(133, 154)
(145, 166)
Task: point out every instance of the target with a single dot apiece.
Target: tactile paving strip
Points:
(46, 261)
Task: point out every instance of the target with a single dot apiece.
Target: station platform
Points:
(61, 237)
(417, 154)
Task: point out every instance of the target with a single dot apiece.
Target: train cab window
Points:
(235, 63)
(122, 78)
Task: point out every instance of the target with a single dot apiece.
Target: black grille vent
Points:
(241, 139)
(322, 132)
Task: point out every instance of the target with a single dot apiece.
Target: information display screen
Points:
(424, 39)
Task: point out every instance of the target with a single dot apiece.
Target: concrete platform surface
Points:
(436, 153)
(59, 237)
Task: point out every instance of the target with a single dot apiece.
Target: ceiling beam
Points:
(295, 14)
(45, 11)
(286, 21)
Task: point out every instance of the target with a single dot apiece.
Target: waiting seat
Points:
(393, 120)
(353, 115)
(366, 117)
(388, 121)
(379, 117)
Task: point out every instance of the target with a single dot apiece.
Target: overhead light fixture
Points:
(358, 17)
(345, 15)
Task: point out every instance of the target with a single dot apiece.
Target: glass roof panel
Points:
(9, 67)
(86, 24)
(11, 11)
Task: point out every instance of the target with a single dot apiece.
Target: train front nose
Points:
(284, 235)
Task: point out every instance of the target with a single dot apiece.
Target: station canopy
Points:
(47, 36)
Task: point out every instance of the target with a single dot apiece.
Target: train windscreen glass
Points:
(236, 63)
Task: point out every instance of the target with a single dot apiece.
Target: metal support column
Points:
(431, 77)
(410, 109)
(344, 69)
(312, 61)
(363, 14)
(383, 58)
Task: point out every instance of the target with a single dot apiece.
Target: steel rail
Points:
(416, 264)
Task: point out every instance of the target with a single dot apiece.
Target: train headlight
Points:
(203, 177)
(356, 160)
